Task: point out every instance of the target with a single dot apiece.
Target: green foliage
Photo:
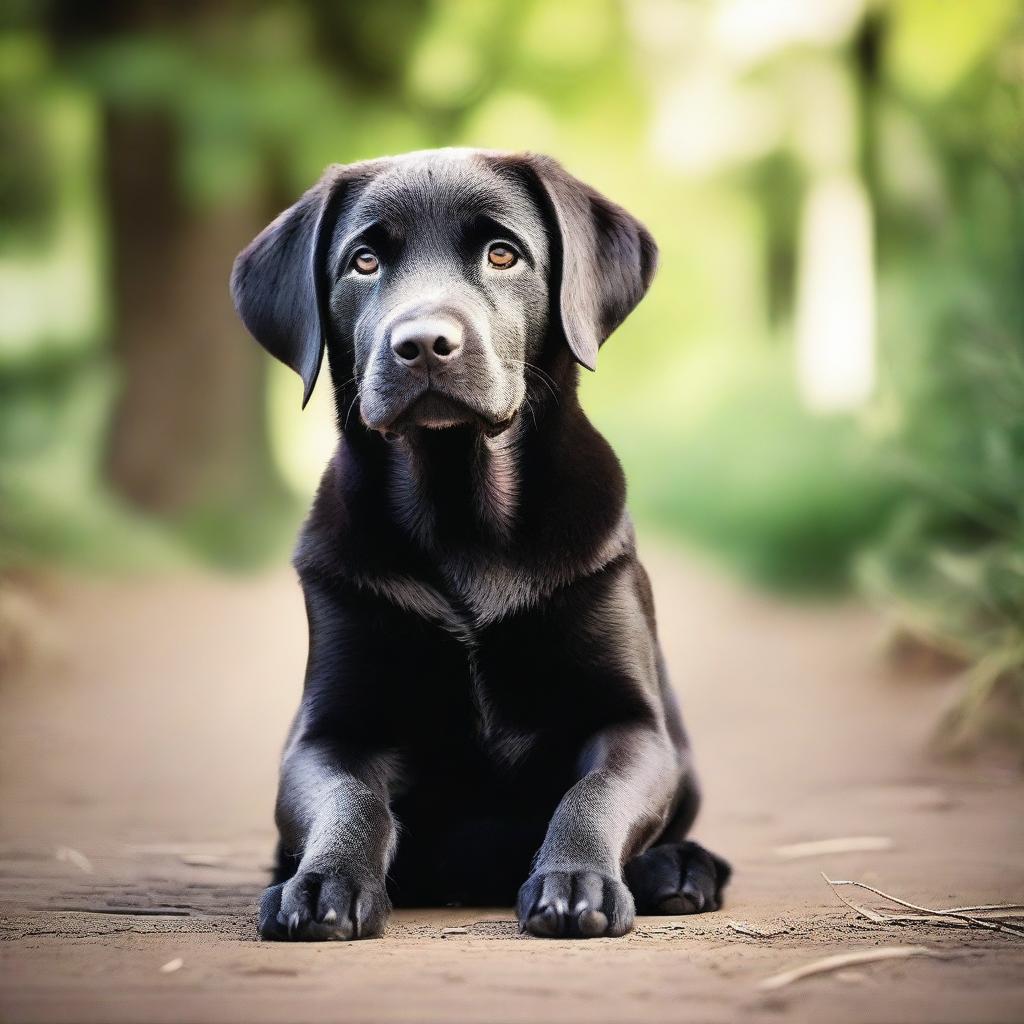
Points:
(950, 423)
(780, 495)
(53, 505)
(951, 568)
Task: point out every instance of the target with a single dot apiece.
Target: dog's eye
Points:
(365, 262)
(502, 256)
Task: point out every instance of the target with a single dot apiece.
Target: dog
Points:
(486, 716)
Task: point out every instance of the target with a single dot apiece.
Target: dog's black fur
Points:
(486, 711)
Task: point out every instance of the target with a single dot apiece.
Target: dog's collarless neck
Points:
(455, 486)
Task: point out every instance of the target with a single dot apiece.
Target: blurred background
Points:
(823, 391)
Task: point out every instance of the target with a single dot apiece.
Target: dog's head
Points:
(436, 279)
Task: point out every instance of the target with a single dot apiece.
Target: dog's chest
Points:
(508, 627)
(482, 591)
(469, 601)
(478, 596)
(464, 595)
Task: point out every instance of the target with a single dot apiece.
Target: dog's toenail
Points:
(591, 923)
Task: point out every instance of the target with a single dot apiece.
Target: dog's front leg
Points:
(339, 818)
(619, 803)
(333, 801)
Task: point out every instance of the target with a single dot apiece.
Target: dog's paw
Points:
(677, 878)
(574, 904)
(316, 907)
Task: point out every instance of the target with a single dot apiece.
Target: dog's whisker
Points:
(540, 375)
(355, 398)
(543, 373)
(551, 390)
(534, 368)
(533, 415)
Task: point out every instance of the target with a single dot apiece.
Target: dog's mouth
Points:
(437, 411)
(434, 410)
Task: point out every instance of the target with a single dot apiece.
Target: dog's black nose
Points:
(427, 342)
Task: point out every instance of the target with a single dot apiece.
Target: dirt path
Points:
(136, 782)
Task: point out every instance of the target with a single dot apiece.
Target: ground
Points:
(137, 770)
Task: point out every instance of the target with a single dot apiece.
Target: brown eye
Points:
(502, 256)
(365, 262)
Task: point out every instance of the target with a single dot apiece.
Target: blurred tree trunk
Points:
(189, 426)
(189, 437)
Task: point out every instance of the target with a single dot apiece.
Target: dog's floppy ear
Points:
(279, 281)
(607, 259)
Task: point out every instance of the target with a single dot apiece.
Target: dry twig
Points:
(927, 913)
(824, 847)
(841, 960)
(756, 933)
(70, 855)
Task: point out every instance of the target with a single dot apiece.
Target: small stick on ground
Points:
(72, 856)
(844, 844)
(956, 913)
(873, 916)
(987, 908)
(841, 960)
(756, 933)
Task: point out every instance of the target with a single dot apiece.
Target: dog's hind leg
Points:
(677, 878)
(676, 875)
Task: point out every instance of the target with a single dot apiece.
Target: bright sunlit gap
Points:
(835, 316)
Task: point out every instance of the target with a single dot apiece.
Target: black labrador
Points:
(486, 711)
